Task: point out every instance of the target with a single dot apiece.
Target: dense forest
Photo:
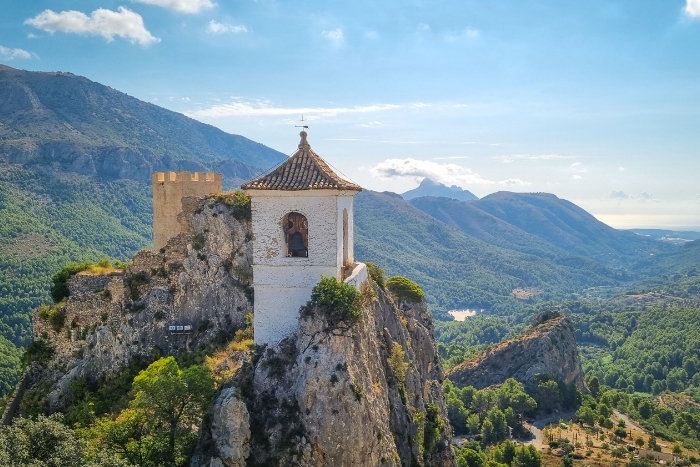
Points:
(47, 222)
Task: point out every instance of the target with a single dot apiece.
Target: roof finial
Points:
(303, 143)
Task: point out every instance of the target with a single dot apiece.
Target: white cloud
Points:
(450, 174)
(181, 6)
(31, 35)
(618, 195)
(335, 36)
(371, 35)
(259, 109)
(369, 124)
(575, 164)
(514, 182)
(576, 177)
(215, 27)
(621, 169)
(532, 157)
(423, 27)
(692, 8)
(469, 33)
(10, 54)
(373, 141)
(642, 197)
(106, 23)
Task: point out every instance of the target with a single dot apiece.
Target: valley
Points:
(75, 187)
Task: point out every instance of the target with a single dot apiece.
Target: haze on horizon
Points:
(596, 102)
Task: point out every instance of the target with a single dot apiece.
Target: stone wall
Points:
(29, 377)
(168, 190)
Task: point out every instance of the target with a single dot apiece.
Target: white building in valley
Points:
(303, 229)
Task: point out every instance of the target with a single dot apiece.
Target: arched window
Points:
(296, 235)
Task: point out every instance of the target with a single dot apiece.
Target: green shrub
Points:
(357, 391)
(404, 289)
(239, 202)
(338, 300)
(38, 351)
(397, 362)
(376, 274)
(54, 314)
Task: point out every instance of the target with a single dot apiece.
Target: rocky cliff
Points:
(186, 294)
(333, 394)
(548, 347)
(329, 396)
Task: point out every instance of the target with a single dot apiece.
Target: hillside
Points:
(470, 219)
(457, 270)
(75, 125)
(567, 226)
(428, 187)
(548, 347)
(75, 165)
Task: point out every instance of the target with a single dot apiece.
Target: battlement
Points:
(185, 176)
(168, 190)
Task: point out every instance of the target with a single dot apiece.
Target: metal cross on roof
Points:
(302, 123)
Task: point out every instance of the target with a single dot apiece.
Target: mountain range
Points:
(75, 165)
(429, 187)
(60, 121)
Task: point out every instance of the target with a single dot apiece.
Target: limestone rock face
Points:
(328, 397)
(548, 347)
(201, 279)
(231, 429)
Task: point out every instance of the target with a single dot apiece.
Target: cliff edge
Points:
(548, 347)
(332, 394)
(368, 393)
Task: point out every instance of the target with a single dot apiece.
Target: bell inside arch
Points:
(296, 245)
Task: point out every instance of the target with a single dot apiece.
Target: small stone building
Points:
(303, 229)
(168, 190)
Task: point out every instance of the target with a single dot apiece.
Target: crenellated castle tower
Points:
(168, 190)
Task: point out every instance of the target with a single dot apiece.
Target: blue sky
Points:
(596, 101)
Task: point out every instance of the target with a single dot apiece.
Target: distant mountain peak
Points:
(430, 187)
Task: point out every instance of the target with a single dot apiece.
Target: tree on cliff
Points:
(47, 441)
(156, 428)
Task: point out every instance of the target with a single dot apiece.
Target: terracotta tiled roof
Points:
(305, 170)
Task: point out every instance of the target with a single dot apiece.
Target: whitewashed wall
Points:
(283, 284)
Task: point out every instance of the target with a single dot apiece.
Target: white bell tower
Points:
(303, 229)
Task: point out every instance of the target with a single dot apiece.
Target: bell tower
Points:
(302, 230)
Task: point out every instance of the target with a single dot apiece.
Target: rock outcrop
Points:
(548, 347)
(199, 283)
(328, 396)
(333, 394)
